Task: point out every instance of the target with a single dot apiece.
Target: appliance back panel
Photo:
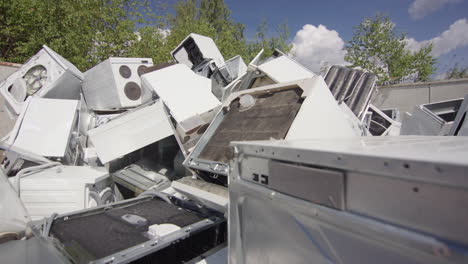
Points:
(270, 117)
(102, 234)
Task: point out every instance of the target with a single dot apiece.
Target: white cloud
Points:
(315, 47)
(421, 8)
(456, 36)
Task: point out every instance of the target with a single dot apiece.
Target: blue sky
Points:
(421, 20)
(343, 15)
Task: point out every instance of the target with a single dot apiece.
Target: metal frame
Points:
(140, 250)
(393, 124)
(317, 98)
(418, 248)
(212, 196)
(459, 127)
(193, 162)
(426, 119)
(154, 245)
(374, 165)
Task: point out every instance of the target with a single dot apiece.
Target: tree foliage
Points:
(377, 47)
(213, 18)
(87, 32)
(269, 44)
(457, 72)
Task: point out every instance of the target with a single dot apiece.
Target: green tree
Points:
(209, 18)
(457, 72)
(213, 18)
(85, 32)
(269, 44)
(377, 47)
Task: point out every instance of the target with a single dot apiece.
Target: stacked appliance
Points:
(203, 57)
(281, 111)
(366, 200)
(64, 189)
(434, 119)
(47, 75)
(47, 127)
(115, 84)
(153, 228)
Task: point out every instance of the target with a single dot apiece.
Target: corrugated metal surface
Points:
(354, 87)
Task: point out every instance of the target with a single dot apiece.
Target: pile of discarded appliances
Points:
(136, 162)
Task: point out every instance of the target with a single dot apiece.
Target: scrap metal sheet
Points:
(45, 126)
(131, 131)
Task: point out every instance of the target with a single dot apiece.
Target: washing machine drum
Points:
(35, 79)
(102, 197)
(107, 196)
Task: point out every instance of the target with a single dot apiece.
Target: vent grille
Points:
(132, 90)
(125, 71)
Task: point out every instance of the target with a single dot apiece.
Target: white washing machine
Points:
(115, 84)
(64, 189)
(46, 127)
(46, 74)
